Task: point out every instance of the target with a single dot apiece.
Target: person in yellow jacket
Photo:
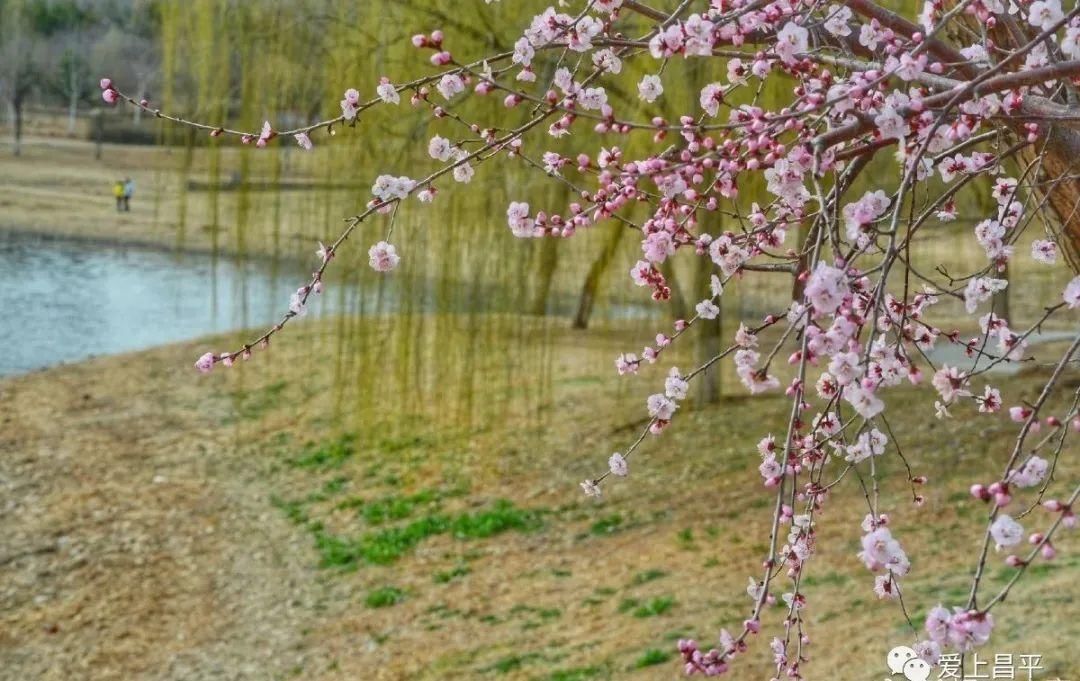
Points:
(118, 192)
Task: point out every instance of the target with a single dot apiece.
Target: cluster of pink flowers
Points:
(108, 93)
(859, 81)
(961, 629)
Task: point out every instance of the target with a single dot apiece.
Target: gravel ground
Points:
(133, 542)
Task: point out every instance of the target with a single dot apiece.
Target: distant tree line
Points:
(51, 52)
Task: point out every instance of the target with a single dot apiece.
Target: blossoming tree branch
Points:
(977, 95)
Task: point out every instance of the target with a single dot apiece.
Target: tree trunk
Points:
(98, 121)
(679, 307)
(1060, 160)
(549, 259)
(709, 339)
(73, 102)
(596, 273)
(1060, 149)
(17, 128)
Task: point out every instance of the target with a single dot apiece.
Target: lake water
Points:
(67, 301)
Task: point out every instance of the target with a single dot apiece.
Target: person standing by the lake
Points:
(129, 191)
(118, 192)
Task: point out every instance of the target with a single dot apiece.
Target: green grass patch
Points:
(334, 486)
(576, 674)
(293, 510)
(606, 525)
(647, 576)
(386, 546)
(654, 607)
(543, 613)
(396, 507)
(328, 454)
(394, 445)
(652, 657)
(252, 405)
(510, 663)
(450, 575)
(830, 578)
(384, 597)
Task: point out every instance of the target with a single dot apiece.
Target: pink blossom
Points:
(1044, 251)
(826, 289)
(962, 629)
(675, 386)
(790, 41)
(950, 383)
(837, 21)
(440, 148)
(863, 401)
(205, 363)
(627, 363)
(590, 488)
(990, 402)
(617, 464)
(1071, 295)
(298, 302)
(593, 98)
(1006, 531)
(389, 188)
(981, 289)
(450, 85)
(928, 651)
(885, 587)
(387, 92)
(711, 97)
(1044, 14)
(658, 246)
(706, 309)
(463, 172)
(650, 88)
(350, 104)
(383, 257)
(880, 551)
(517, 216)
(660, 407)
(265, 135)
(1031, 473)
(303, 141)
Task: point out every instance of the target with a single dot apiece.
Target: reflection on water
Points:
(67, 301)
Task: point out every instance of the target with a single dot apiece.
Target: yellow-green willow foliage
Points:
(463, 303)
(456, 316)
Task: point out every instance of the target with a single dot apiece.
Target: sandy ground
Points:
(140, 540)
(134, 545)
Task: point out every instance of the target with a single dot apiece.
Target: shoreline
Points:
(22, 233)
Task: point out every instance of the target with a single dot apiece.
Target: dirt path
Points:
(133, 544)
